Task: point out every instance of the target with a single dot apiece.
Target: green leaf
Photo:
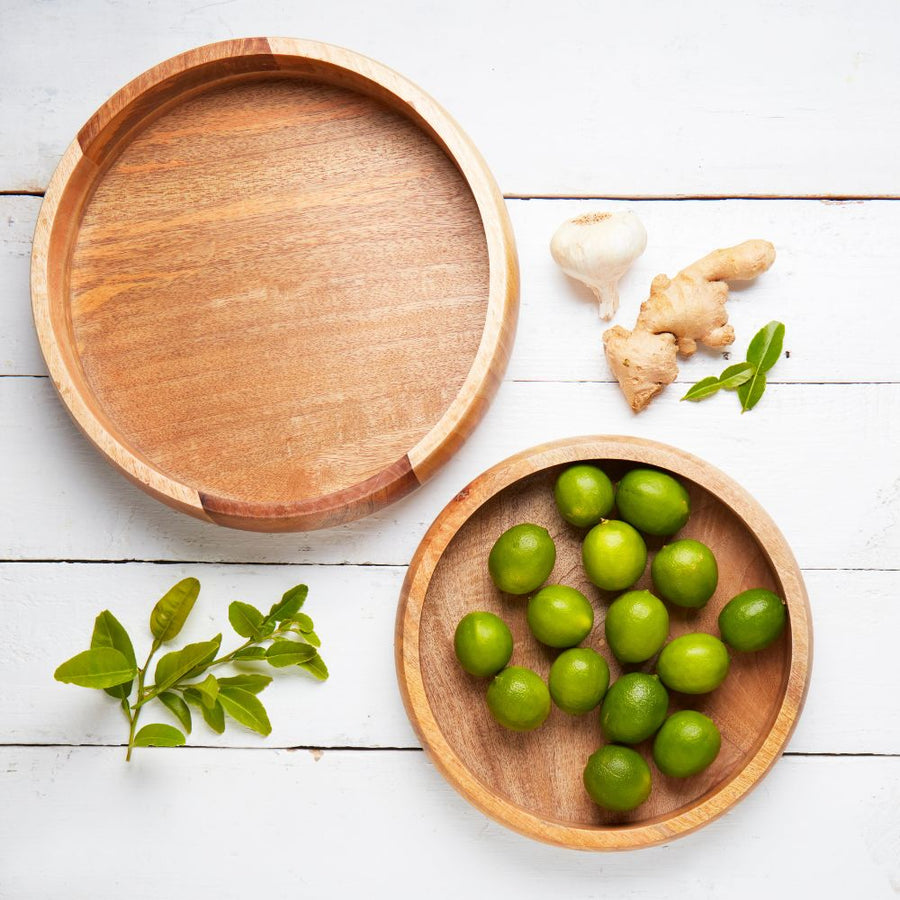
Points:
(245, 620)
(304, 623)
(109, 632)
(734, 376)
(288, 653)
(100, 667)
(158, 736)
(248, 682)
(293, 627)
(312, 638)
(765, 348)
(245, 708)
(290, 603)
(180, 663)
(177, 707)
(316, 667)
(704, 388)
(208, 689)
(214, 717)
(169, 614)
(250, 653)
(750, 392)
(165, 666)
(201, 666)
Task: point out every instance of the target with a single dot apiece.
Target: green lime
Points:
(652, 501)
(634, 707)
(482, 643)
(686, 744)
(637, 625)
(584, 495)
(752, 620)
(614, 555)
(617, 778)
(518, 699)
(685, 573)
(693, 663)
(578, 680)
(522, 558)
(560, 616)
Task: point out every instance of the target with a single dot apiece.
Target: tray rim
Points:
(465, 504)
(125, 110)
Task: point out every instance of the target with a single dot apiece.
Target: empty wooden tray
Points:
(533, 782)
(274, 283)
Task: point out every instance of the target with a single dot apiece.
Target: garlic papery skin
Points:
(598, 249)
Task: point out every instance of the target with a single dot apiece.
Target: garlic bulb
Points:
(597, 249)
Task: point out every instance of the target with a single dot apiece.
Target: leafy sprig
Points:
(281, 638)
(747, 378)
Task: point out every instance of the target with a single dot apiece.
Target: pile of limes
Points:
(634, 708)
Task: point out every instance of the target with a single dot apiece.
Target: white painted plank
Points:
(586, 98)
(820, 458)
(834, 263)
(49, 611)
(202, 823)
(19, 350)
(828, 283)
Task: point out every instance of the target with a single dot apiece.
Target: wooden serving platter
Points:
(274, 283)
(533, 782)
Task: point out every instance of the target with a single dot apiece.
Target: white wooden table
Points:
(680, 111)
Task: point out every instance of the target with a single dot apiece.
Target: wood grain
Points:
(809, 235)
(531, 782)
(379, 802)
(69, 505)
(597, 99)
(274, 283)
(360, 706)
(785, 99)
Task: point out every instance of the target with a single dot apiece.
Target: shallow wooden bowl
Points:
(532, 782)
(274, 283)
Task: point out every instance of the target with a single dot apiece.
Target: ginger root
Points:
(643, 362)
(688, 309)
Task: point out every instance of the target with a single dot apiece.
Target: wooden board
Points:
(506, 774)
(597, 99)
(808, 234)
(359, 706)
(274, 284)
(775, 99)
(387, 819)
(69, 505)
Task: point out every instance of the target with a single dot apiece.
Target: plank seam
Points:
(309, 564)
(194, 562)
(633, 198)
(650, 198)
(771, 382)
(323, 748)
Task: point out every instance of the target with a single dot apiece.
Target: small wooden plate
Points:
(533, 782)
(274, 283)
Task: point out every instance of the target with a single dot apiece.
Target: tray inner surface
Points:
(277, 288)
(541, 771)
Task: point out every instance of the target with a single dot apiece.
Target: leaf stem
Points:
(229, 657)
(136, 709)
(181, 684)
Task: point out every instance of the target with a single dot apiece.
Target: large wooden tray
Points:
(274, 283)
(532, 782)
